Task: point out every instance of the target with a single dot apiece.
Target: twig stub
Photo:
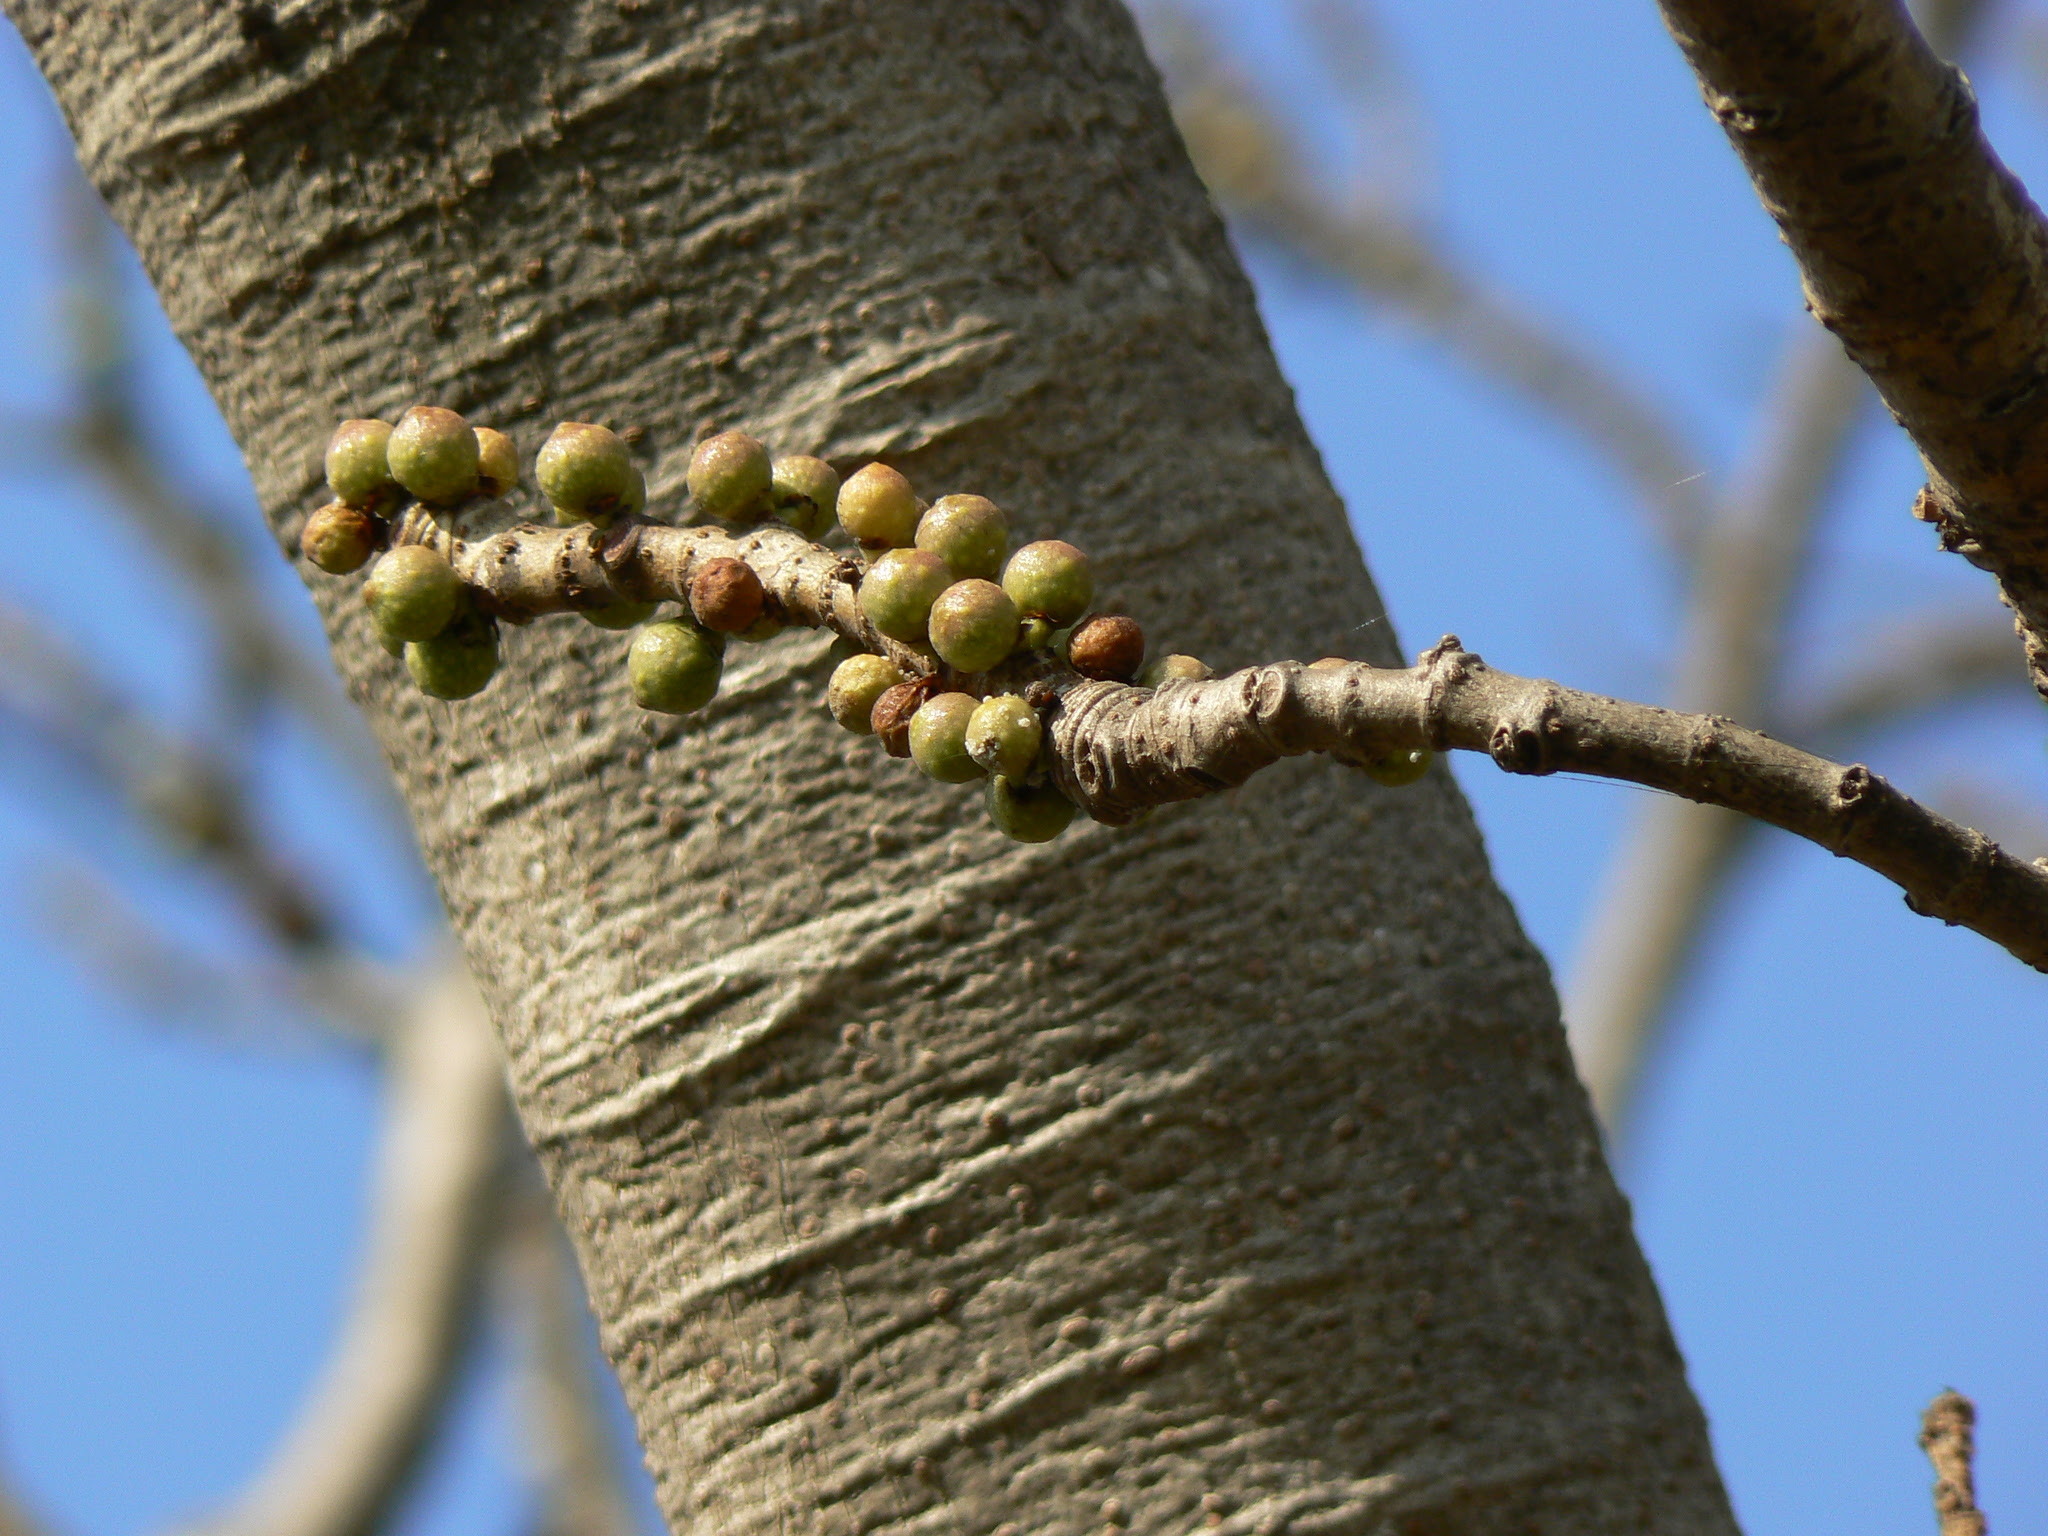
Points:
(1948, 1436)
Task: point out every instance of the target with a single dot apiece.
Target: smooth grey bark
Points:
(1230, 1166)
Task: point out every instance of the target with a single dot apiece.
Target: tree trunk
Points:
(1231, 1165)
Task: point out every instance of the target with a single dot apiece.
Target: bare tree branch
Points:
(121, 948)
(2017, 822)
(1387, 120)
(388, 1374)
(1919, 250)
(1121, 750)
(1663, 887)
(363, 1429)
(1252, 166)
(1654, 902)
(257, 654)
(192, 798)
(1948, 1436)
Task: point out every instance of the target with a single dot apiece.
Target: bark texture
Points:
(1229, 1165)
(1920, 250)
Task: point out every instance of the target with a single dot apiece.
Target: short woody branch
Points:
(1118, 750)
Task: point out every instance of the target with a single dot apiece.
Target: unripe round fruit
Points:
(433, 453)
(1397, 770)
(497, 462)
(938, 738)
(726, 595)
(456, 663)
(358, 470)
(877, 506)
(969, 533)
(1003, 735)
(338, 538)
(973, 625)
(1036, 633)
(412, 593)
(1028, 813)
(1052, 578)
(899, 589)
(1110, 647)
(674, 667)
(730, 477)
(893, 713)
(584, 471)
(1174, 669)
(857, 683)
(805, 493)
(623, 615)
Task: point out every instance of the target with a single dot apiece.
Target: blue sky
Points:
(1838, 1171)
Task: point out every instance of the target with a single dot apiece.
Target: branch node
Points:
(1448, 647)
(1446, 664)
(1521, 742)
(619, 544)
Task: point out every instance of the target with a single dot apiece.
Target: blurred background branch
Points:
(572, 1452)
(1260, 173)
(1749, 563)
(365, 1426)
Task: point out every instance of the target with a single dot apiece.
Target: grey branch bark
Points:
(361, 1431)
(1919, 249)
(1948, 1434)
(850, 1109)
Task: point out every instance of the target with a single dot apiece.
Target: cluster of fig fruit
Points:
(942, 580)
(939, 579)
